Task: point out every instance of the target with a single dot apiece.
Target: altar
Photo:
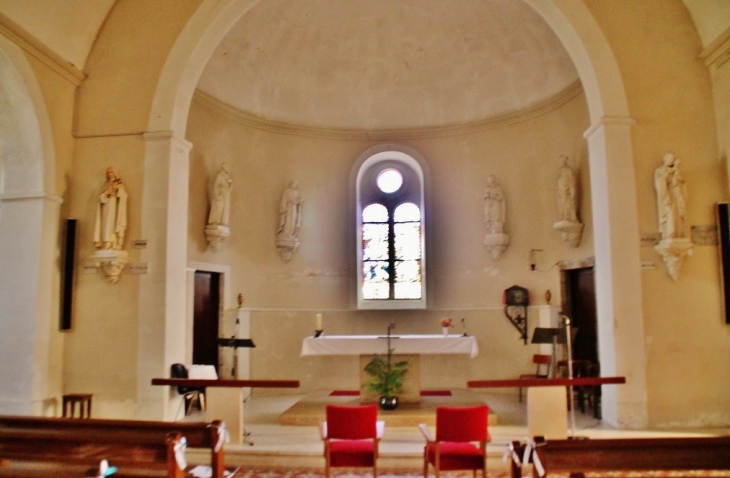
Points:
(405, 347)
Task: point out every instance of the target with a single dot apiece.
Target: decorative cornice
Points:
(168, 136)
(252, 121)
(717, 52)
(606, 121)
(31, 195)
(16, 34)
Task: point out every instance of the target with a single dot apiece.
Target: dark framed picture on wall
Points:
(723, 235)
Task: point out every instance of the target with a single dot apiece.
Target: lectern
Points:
(234, 343)
(553, 336)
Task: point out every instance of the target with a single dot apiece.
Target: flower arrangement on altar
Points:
(446, 322)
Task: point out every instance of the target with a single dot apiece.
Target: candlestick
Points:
(318, 322)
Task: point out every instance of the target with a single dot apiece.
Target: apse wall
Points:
(463, 280)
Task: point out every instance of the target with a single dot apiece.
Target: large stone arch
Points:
(28, 237)
(612, 184)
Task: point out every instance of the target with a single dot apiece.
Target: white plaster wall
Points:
(463, 279)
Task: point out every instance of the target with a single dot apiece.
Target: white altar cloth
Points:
(378, 344)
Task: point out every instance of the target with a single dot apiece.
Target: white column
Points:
(618, 271)
(162, 297)
(28, 253)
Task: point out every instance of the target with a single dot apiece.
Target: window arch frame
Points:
(367, 192)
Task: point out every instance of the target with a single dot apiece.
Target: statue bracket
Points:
(216, 234)
(111, 262)
(496, 244)
(287, 247)
(570, 231)
(673, 251)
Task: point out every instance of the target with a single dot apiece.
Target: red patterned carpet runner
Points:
(267, 472)
(424, 393)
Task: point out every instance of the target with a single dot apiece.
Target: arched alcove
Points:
(612, 183)
(28, 232)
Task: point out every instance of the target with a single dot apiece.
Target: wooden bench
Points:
(36, 452)
(623, 454)
(123, 443)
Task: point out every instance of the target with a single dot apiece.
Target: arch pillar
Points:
(618, 281)
(162, 296)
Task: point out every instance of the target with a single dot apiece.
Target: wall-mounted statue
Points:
(495, 209)
(217, 229)
(290, 220)
(110, 226)
(111, 213)
(495, 218)
(568, 224)
(671, 194)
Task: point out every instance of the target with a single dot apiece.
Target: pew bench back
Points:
(25, 452)
(202, 435)
(640, 454)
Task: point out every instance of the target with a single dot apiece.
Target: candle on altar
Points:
(318, 322)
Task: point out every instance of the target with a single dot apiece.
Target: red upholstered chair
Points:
(351, 435)
(460, 442)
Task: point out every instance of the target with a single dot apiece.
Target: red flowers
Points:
(446, 322)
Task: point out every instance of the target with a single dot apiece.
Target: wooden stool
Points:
(70, 401)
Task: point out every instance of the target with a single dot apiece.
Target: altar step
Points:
(310, 410)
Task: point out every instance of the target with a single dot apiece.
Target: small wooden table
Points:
(224, 398)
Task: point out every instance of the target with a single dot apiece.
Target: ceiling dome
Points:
(387, 64)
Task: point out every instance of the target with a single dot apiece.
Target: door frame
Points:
(225, 287)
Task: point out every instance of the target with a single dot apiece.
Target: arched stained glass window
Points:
(391, 272)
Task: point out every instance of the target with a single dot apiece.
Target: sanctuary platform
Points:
(310, 410)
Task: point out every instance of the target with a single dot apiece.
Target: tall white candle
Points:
(318, 322)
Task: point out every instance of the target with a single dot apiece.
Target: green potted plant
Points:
(387, 379)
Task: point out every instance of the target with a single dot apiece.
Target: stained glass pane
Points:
(375, 213)
(390, 180)
(408, 240)
(407, 280)
(375, 242)
(407, 212)
(375, 280)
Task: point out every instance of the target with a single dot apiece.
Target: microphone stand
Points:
(566, 321)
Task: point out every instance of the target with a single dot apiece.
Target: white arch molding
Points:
(28, 240)
(618, 281)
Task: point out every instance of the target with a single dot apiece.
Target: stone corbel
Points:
(287, 247)
(673, 251)
(216, 235)
(496, 244)
(570, 231)
(111, 262)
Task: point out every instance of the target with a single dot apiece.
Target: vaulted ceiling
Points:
(382, 64)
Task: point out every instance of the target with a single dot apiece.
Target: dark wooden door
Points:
(581, 308)
(205, 318)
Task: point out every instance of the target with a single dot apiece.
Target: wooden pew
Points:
(624, 454)
(37, 453)
(113, 434)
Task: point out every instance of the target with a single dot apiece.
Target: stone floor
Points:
(271, 443)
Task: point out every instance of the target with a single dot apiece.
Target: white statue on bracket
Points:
(110, 227)
(495, 218)
(217, 229)
(290, 221)
(671, 193)
(568, 224)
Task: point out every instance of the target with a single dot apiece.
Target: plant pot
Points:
(388, 403)
(445, 331)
